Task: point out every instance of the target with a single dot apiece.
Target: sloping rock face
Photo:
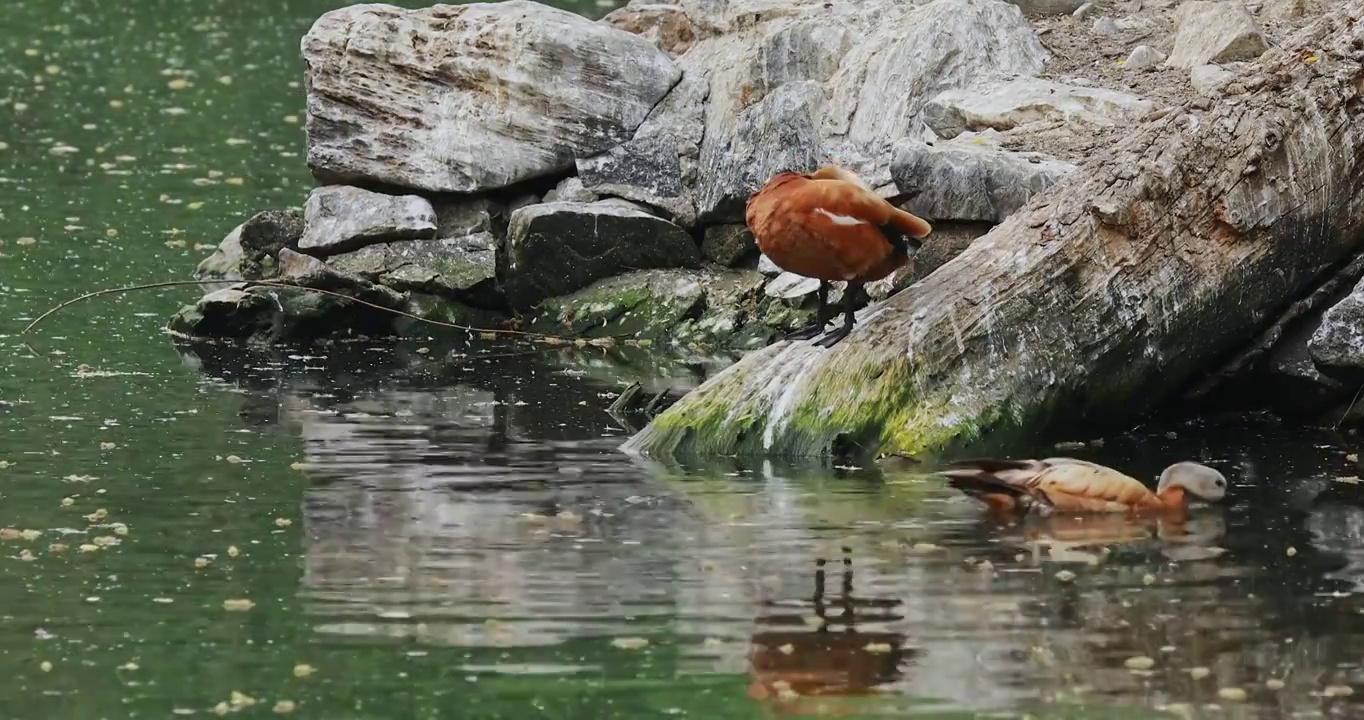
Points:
(465, 98)
(970, 181)
(557, 248)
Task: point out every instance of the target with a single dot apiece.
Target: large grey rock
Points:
(1337, 346)
(1007, 104)
(1215, 32)
(557, 248)
(970, 181)
(793, 84)
(340, 218)
(466, 98)
(463, 268)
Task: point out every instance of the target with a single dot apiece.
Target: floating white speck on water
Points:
(1232, 694)
(1140, 662)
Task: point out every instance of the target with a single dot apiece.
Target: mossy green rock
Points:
(680, 307)
(645, 304)
(463, 268)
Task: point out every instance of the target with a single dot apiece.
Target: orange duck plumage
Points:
(1069, 485)
(830, 226)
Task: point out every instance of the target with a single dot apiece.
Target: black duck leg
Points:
(850, 294)
(822, 317)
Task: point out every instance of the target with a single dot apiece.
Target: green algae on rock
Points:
(679, 307)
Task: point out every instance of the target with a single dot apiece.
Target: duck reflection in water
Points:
(1091, 537)
(816, 652)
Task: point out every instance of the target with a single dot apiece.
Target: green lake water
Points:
(438, 530)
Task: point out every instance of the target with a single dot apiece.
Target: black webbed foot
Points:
(834, 336)
(806, 332)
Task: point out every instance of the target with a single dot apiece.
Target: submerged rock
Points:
(557, 248)
(1293, 384)
(1215, 32)
(340, 218)
(271, 313)
(373, 71)
(970, 181)
(1010, 103)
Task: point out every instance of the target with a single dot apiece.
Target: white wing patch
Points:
(840, 219)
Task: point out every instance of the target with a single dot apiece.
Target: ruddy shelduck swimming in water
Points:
(830, 226)
(1068, 485)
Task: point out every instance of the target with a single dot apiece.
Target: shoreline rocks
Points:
(508, 160)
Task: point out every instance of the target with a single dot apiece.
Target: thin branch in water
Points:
(286, 286)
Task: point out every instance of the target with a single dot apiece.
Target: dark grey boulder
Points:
(557, 248)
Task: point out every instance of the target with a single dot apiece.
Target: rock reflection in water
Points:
(488, 515)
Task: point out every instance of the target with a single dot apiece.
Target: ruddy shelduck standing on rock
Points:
(1068, 485)
(830, 226)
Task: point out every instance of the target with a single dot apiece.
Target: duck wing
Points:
(1063, 484)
